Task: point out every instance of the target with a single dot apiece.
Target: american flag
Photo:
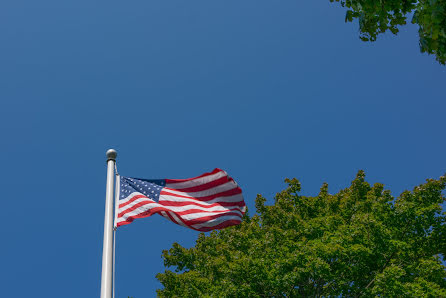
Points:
(204, 203)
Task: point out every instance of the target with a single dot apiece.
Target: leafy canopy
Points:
(358, 242)
(377, 17)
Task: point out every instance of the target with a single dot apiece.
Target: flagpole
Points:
(107, 249)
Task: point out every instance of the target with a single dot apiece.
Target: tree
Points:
(358, 242)
(377, 17)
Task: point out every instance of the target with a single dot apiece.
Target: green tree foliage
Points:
(358, 242)
(377, 17)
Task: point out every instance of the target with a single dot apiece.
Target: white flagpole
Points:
(117, 192)
(107, 250)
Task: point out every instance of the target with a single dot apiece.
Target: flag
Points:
(204, 203)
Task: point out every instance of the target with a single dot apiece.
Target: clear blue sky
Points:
(263, 89)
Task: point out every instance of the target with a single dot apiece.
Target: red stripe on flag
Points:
(223, 204)
(142, 215)
(204, 219)
(231, 192)
(222, 225)
(194, 211)
(136, 206)
(206, 186)
(216, 170)
(132, 200)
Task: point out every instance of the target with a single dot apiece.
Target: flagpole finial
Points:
(111, 154)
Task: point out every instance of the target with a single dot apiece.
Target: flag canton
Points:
(149, 188)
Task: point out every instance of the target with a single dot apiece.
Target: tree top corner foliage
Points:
(377, 17)
(359, 242)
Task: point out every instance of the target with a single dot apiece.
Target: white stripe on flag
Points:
(205, 214)
(139, 210)
(130, 197)
(179, 221)
(204, 193)
(137, 201)
(197, 181)
(232, 199)
(216, 221)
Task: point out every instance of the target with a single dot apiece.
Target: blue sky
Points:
(263, 89)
